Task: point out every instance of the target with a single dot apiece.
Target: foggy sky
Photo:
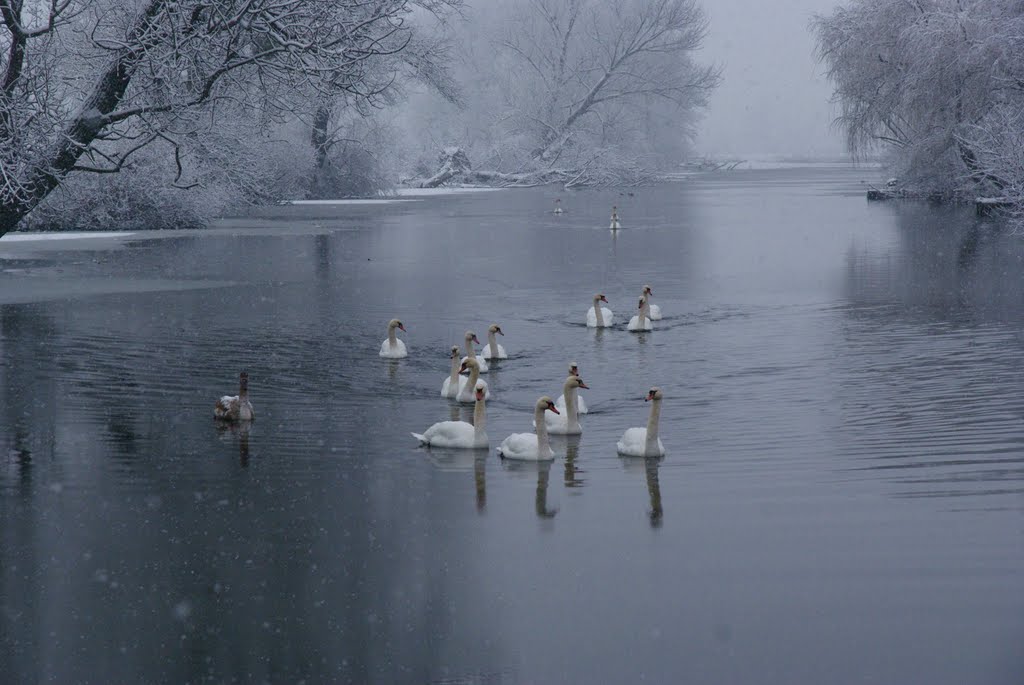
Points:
(773, 98)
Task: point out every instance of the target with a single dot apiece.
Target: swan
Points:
(653, 310)
(644, 442)
(471, 353)
(531, 446)
(567, 423)
(615, 218)
(581, 406)
(492, 350)
(237, 407)
(452, 384)
(393, 348)
(558, 206)
(466, 394)
(598, 316)
(640, 322)
(461, 434)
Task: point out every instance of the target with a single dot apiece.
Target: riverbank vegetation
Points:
(939, 84)
(152, 113)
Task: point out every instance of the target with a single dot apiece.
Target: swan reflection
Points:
(543, 470)
(651, 466)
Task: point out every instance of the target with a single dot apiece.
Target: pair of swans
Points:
(235, 408)
(646, 312)
(457, 386)
(492, 350)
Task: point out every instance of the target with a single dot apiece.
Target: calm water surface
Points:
(841, 501)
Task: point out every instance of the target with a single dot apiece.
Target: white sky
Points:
(773, 99)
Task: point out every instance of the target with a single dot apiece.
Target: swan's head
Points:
(454, 352)
(575, 382)
(600, 298)
(495, 328)
(614, 208)
(471, 337)
(574, 369)
(648, 291)
(395, 323)
(653, 394)
(470, 364)
(558, 200)
(547, 404)
(481, 390)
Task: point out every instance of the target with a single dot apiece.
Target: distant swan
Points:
(471, 352)
(393, 348)
(615, 219)
(460, 434)
(558, 206)
(567, 423)
(598, 316)
(644, 442)
(235, 408)
(492, 350)
(531, 446)
(466, 388)
(640, 322)
(653, 310)
(453, 383)
(581, 406)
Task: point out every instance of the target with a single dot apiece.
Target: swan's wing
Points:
(225, 406)
(655, 311)
(519, 446)
(607, 315)
(633, 442)
(450, 434)
(592, 318)
(581, 405)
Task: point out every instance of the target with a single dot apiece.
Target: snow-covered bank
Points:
(63, 235)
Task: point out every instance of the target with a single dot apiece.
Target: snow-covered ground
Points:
(66, 235)
(374, 201)
(443, 191)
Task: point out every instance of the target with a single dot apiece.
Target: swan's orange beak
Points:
(463, 367)
(476, 340)
(479, 393)
(650, 396)
(604, 299)
(401, 328)
(500, 332)
(584, 385)
(551, 407)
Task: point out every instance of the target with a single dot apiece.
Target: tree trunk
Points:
(82, 130)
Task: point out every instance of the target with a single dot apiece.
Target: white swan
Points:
(461, 434)
(558, 206)
(471, 353)
(492, 350)
(567, 423)
(453, 383)
(237, 407)
(581, 406)
(531, 446)
(653, 310)
(615, 219)
(598, 316)
(640, 322)
(393, 348)
(644, 442)
(466, 388)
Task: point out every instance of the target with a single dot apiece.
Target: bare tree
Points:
(575, 61)
(85, 84)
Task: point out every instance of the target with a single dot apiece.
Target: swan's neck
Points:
(453, 378)
(493, 342)
(571, 413)
(543, 445)
(652, 425)
(642, 315)
(470, 352)
(243, 390)
(474, 376)
(392, 338)
(479, 417)
(597, 312)
(647, 306)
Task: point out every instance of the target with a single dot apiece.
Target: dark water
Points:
(841, 501)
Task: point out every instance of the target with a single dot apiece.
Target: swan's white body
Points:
(453, 383)
(471, 353)
(567, 422)
(598, 316)
(644, 442)
(466, 386)
(530, 446)
(558, 206)
(460, 434)
(392, 347)
(640, 322)
(492, 350)
(581, 405)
